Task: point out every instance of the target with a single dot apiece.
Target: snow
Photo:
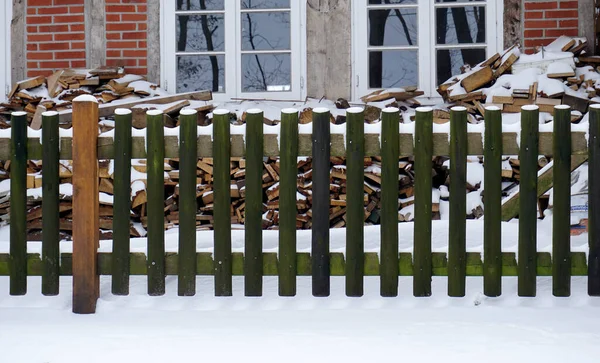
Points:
(85, 98)
(128, 78)
(559, 67)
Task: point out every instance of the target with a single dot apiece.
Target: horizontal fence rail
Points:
(321, 142)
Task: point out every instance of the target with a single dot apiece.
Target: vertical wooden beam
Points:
(188, 158)
(355, 210)
(288, 173)
(50, 209)
(390, 153)
(457, 248)
(561, 210)
(423, 185)
(492, 179)
(18, 204)
(156, 202)
(321, 153)
(528, 156)
(222, 203)
(122, 204)
(594, 202)
(85, 205)
(253, 261)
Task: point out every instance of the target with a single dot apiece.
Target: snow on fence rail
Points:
(390, 141)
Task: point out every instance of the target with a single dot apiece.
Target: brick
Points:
(35, 73)
(120, 26)
(69, 36)
(134, 35)
(143, 45)
(134, 17)
(142, 62)
(113, 17)
(54, 10)
(537, 42)
(140, 71)
(32, 29)
(68, 2)
(55, 64)
(76, 10)
(534, 14)
(120, 9)
(561, 14)
(120, 62)
(113, 36)
(40, 55)
(39, 3)
(69, 19)
(121, 45)
(554, 33)
(135, 53)
(142, 8)
(32, 65)
(540, 24)
(54, 46)
(53, 28)
(77, 27)
(78, 64)
(142, 26)
(69, 55)
(541, 5)
(113, 53)
(39, 20)
(39, 37)
(31, 11)
(32, 46)
(537, 33)
(568, 23)
(568, 4)
(78, 45)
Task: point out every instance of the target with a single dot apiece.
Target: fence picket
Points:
(18, 203)
(594, 202)
(50, 209)
(253, 258)
(355, 209)
(457, 253)
(222, 203)
(492, 230)
(288, 172)
(390, 153)
(156, 201)
(423, 187)
(122, 204)
(321, 152)
(528, 158)
(561, 211)
(188, 158)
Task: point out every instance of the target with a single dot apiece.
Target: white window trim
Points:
(233, 80)
(5, 43)
(426, 44)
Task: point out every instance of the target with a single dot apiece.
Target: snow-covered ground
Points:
(139, 328)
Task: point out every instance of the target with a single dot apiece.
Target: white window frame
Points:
(425, 43)
(5, 43)
(233, 52)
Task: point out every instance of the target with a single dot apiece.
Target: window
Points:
(236, 48)
(420, 43)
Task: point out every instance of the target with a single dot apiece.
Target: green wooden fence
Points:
(321, 264)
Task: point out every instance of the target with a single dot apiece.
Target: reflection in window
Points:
(393, 68)
(449, 61)
(266, 72)
(199, 33)
(200, 72)
(266, 31)
(200, 4)
(390, 27)
(460, 25)
(265, 4)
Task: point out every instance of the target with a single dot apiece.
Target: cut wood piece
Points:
(36, 122)
(491, 61)
(477, 79)
(577, 103)
(31, 83)
(503, 99)
(505, 65)
(53, 84)
(593, 59)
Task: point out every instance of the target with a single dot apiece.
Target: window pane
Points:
(266, 72)
(201, 72)
(265, 4)
(200, 4)
(266, 31)
(462, 25)
(449, 61)
(393, 68)
(200, 33)
(393, 26)
(392, 2)
(453, 1)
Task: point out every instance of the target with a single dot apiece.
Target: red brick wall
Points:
(126, 35)
(55, 35)
(546, 20)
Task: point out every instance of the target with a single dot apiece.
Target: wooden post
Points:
(423, 185)
(355, 211)
(492, 179)
(321, 152)
(50, 204)
(18, 204)
(390, 152)
(288, 172)
(561, 211)
(85, 205)
(594, 202)
(528, 156)
(253, 262)
(457, 252)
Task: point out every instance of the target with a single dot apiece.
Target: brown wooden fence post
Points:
(85, 205)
